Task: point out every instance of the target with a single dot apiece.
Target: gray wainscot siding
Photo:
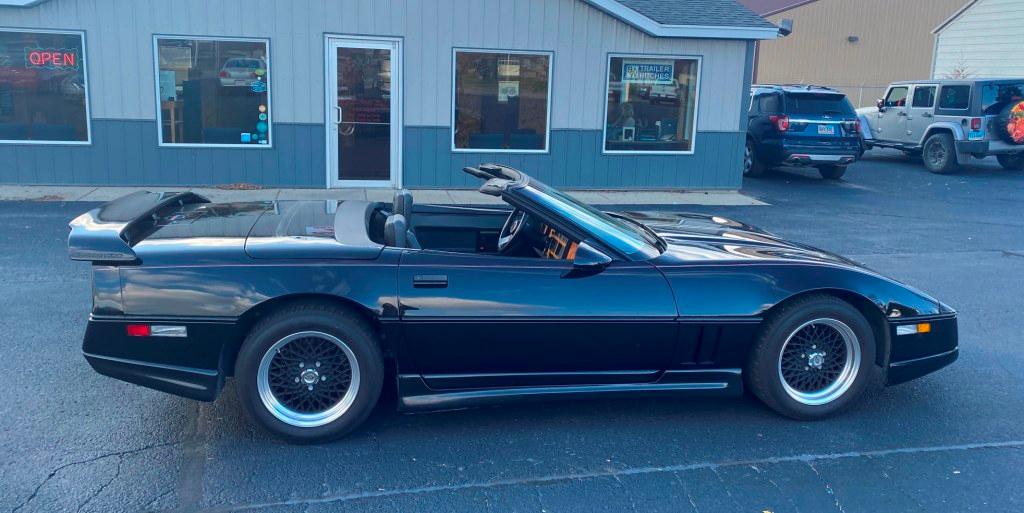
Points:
(126, 153)
(576, 161)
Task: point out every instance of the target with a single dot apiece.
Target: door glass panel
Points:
(364, 96)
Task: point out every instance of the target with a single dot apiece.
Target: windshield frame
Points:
(630, 239)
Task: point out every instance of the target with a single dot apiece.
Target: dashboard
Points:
(556, 245)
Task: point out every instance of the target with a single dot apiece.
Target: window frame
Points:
(938, 98)
(607, 91)
(551, 79)
(85, 75)
(156, 92)
(934, 96)
(906, 96)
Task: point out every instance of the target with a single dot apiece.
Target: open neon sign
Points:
(51, 58)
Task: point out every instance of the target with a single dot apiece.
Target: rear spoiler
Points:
(108, 233)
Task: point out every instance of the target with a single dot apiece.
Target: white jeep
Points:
(946, 122)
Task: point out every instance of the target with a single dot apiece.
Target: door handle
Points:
(926, 115)
(430, 281)
(337, 115)
(901, 113)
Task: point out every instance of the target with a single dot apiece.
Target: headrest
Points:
(403, 203)
(395, 231)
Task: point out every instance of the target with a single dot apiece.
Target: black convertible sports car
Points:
(310, 304)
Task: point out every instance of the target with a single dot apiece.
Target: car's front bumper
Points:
(915, 354)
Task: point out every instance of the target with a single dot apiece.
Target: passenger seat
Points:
(397, 234)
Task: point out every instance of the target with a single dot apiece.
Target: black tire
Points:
(317, 318)
(764, 370)
(831, 172)
(752, 166)
(939, 154)
(1011, 161)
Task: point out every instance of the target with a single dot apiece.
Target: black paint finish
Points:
(467, 328)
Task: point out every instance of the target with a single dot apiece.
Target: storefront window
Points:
(652, 104)
(213, 92)
(501, 101)
(43, 95)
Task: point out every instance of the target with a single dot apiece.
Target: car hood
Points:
(699, 238)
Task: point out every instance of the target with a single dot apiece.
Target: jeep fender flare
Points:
(955, 128)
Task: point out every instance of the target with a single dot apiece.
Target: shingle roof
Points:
(716, 13)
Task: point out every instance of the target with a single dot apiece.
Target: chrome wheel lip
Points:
(292, 417)
(847, 375)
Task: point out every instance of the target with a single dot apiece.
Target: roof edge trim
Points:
(653, 28)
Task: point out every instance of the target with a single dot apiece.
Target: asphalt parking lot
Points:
(954, 441)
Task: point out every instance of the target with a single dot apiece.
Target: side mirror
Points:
(588, 261)
(881, 105)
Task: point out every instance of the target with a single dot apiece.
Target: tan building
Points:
(857, 46)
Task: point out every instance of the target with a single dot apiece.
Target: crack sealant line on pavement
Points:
(798, 458)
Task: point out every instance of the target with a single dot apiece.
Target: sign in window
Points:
(213, 92)
(652, 104)
(43, 87)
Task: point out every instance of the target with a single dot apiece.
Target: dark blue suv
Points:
(801, 125)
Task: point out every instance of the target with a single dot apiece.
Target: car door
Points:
(892, 115)
(921, 112)
(472, 320)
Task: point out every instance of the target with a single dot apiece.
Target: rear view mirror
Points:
(588, 261)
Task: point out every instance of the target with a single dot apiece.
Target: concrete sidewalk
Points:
(434, 196)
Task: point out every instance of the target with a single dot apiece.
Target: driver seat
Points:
(397, 234)
(403, 204)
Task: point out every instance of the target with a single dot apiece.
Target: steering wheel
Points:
(514, 226)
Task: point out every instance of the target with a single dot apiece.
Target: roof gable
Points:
(712, 19)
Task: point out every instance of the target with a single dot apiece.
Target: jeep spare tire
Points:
(1011, 123)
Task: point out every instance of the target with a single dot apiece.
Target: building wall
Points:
(121, 81)
(984, 41)
(894, 43)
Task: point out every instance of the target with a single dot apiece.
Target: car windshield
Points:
(628, 237)
(996, 97)
(818, 104)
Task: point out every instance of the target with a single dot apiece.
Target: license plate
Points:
(826, 130)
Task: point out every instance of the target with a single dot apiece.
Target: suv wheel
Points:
(832, 172)
(1011, 161)
(940, 154)
(751, 165)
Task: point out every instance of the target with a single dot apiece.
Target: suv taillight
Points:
(781, 122)
(975, 123)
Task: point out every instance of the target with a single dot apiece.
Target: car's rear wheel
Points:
(813, 358)
(831, 172)
(310, 372)
(940, 154)
(751, 165)
(1011, 161)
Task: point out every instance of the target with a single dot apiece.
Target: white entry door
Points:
(364, 118)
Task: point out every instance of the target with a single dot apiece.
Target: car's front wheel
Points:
(1011, 161)
(830, 172)
(310, 372)
(940, 154)
(813, 358)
